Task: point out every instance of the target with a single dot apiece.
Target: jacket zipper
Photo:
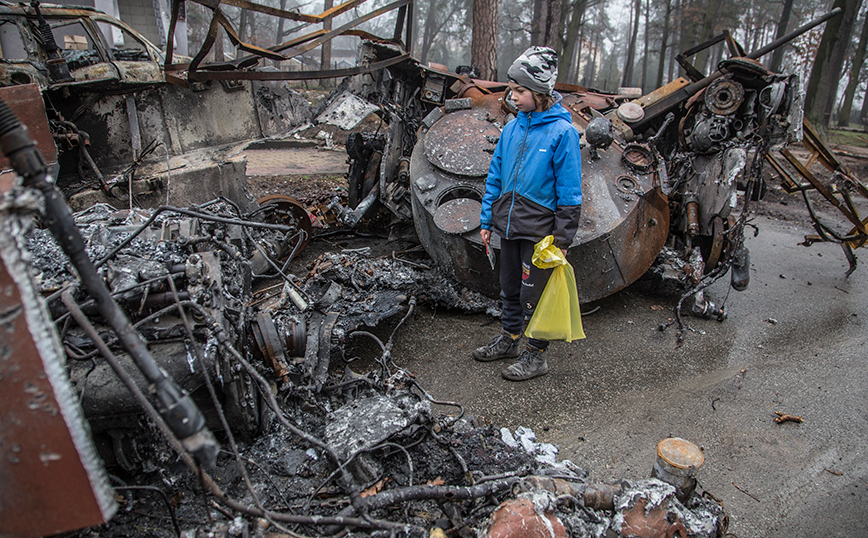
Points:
(515, 175)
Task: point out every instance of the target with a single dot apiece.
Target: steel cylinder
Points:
(692, 217)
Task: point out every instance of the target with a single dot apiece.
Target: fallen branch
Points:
(746, 493)
(787, 418)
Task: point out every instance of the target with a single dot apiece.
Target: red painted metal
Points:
(52, 480)
(26, 101)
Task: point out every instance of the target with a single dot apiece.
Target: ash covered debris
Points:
(362, 276)
(325, 444)
(224, 266)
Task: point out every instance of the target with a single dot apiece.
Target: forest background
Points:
(609, 44)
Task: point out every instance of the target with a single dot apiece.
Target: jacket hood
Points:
(555, 113)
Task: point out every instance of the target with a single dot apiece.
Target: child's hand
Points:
(486, 236)
(564, 251)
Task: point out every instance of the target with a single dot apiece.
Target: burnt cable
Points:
(180, 412)
(163, 496)
(189, 213)
(197, 349)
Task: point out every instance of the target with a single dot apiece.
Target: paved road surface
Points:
(795, 342)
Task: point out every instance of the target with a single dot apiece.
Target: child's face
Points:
(522, 98)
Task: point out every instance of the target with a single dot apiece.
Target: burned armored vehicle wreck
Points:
(647, 184)
(667, 178)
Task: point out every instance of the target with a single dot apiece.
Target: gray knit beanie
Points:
(536, 69)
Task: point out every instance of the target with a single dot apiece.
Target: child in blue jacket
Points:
(534, 189)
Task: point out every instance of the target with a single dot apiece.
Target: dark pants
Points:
(521, 285)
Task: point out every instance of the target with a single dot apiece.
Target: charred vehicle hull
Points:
(625, 216)
(660, 172)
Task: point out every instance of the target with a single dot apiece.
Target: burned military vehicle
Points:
(661, 173)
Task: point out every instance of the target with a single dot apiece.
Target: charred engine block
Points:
(747, 102)
(202, 266)
(737, 119)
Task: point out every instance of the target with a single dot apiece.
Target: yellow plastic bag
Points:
(557, 316)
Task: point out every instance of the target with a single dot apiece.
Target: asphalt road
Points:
(794, 342)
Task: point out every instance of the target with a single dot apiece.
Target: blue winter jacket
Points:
(534, 185)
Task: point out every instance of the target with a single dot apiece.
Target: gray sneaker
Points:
(501, 346)
(531, 364)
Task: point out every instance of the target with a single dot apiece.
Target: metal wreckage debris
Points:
(669, 179)
(202, 349)
(324, 450)
(170, 328)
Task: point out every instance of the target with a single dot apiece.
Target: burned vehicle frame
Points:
(95, 50)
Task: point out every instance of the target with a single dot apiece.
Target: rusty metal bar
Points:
(283, 75)
(735, 47)
(817, 184)
(210, 37)
(338, 31)
(299, 40)
(815, 143)
(694, 73)
(409, 41)
(849, 201)
(241, 63)
(244, 4)
(296, 46)
(820, 153)
(233, 37)
(399, 24)
(170, 41)
(788, 182)
(273, 11)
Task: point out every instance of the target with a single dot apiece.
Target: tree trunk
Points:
(483, 48)
(590, 74)
(536, 23)
(705, 33)
(678, 37)
(281, 23)
(855, 69)
(823, 83)
(686, 36)
(569, 61)
(863, 113)
(325, 61)
(564, 12)
(576, 61)
(664, 41)
(645, 51)
(545, 27)
(631, 48)
(427, 34)
(778, 55)
(552, 35)
(433, 27)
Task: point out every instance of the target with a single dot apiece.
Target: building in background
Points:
(149, 17)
